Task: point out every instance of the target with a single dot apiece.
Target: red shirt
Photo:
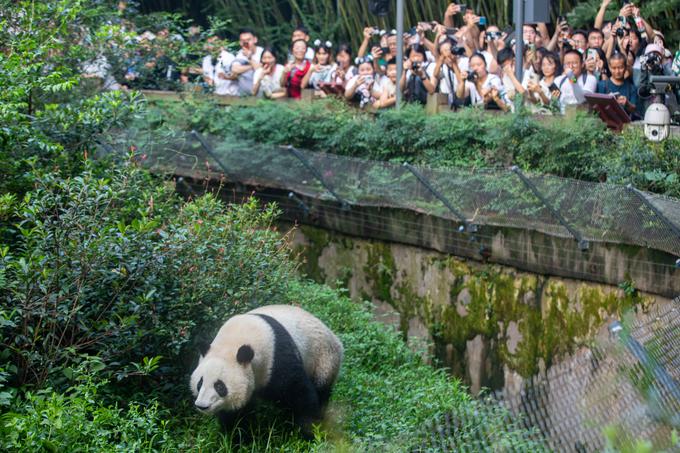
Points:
(294, 80)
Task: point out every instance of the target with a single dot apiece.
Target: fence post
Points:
(583, 244)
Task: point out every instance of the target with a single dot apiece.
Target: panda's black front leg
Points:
(234, 424)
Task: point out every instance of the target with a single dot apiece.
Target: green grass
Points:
(384, 398)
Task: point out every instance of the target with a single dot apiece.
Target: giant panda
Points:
(279, 353)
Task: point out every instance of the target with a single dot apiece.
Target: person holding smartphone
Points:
(322, 68)
(549, 87)
(623, 89)
(573, 61)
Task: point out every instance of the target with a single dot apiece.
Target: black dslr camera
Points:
(472, 77)
(458, 51)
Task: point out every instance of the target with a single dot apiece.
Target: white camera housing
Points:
(657, 122)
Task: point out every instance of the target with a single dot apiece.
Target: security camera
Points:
(657, 122)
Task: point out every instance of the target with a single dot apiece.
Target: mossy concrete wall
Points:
(488, 323)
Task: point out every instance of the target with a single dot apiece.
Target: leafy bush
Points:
(468, 138)
(48, 118)
(651, 166)
(76, 420)
(119, 268)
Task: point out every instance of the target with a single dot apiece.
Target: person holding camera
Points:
(363, 88)
(225, 83)
(415, 82)
(622, 88)
(267, 79)
(484, 89)
(247, 61)
(295, 71)
(445, 73)
(322, 69)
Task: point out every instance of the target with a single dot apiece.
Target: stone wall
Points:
(490, 324)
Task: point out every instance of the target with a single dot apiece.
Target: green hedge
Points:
(577, 146)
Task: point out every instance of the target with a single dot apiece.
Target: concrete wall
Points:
(491, 324)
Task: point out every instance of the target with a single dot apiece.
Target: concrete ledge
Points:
(651, 270)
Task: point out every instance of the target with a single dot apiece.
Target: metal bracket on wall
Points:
(344, 204)
(466, 226)
(583, 244)
(210, 151)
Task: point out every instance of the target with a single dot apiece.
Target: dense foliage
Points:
(114, 267)
(577, 146)
(343, 20)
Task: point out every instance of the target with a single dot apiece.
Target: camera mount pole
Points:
(400, 49)
(518, 7)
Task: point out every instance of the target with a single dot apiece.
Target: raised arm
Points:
(599, 19)
(368, 34)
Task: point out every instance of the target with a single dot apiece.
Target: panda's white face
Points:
(221, 384)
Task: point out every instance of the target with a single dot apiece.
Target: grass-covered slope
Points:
(382, 400)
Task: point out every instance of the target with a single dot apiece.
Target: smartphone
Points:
(553, 87)
(463, 7)
(482, 22)
(591, 53)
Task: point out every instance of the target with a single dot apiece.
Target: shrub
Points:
(119, 268)
(469, 138)
(76, 420)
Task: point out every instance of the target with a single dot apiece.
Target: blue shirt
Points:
(628, 89)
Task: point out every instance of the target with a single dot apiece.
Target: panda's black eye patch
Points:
(220, 388)
(200, 383)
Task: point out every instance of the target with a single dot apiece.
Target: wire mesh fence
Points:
(568, 208)
(622, 390)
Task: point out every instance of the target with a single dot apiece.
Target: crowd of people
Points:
(465, 58)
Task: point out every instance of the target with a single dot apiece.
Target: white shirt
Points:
(256, 55)
(209, 69)
(447, 82)
(323, 76)
(386, 85)
(587, 82)
(270, 83)
(100, 68)
(222, 86)
(492, 81)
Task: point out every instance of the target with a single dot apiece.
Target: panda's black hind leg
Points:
(324, 394)
(304, 401)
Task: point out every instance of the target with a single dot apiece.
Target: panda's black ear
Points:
(203, 347)
(245, 354)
